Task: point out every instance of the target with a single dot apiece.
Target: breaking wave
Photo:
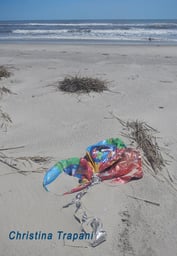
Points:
(102, 30)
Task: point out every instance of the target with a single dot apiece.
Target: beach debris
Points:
(144, 136)
(109, 159)
(21, 165)
(89, 225)
(76, 199)
(4, 72)
(96, 225)
(35, 159)
(11, 148)
(5, 120)
(144, 200)
(4, 90)
(82, 84)
(8, 161)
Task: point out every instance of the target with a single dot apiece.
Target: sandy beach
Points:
(55, 125)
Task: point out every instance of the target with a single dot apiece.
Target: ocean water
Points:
(90, 31)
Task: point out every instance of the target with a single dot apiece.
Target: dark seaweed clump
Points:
(4, 72)
(78, 84)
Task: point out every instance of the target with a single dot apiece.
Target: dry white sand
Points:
(50, 123)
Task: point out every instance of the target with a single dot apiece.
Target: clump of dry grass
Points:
(35, 159)
(4, 90)
(78, 84)
(5, 120)
(4, 72)
(22, 165)
(144, 136)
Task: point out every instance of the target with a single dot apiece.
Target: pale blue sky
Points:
(87, 9)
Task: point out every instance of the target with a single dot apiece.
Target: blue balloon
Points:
(51, 175)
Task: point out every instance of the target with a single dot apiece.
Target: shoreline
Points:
(88, 42)
(70, 46)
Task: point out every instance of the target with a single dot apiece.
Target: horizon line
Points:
(66, 19)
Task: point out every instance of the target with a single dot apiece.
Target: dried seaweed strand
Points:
(10, 165)
(5, 119)
(23, 160)
(143, 135)
(144, 200)
(11, 148)
(4, 72)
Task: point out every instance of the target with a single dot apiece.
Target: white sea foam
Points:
(90, 30)
(120, 24)
(39, 31)
(69, 24)
(97, 32)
